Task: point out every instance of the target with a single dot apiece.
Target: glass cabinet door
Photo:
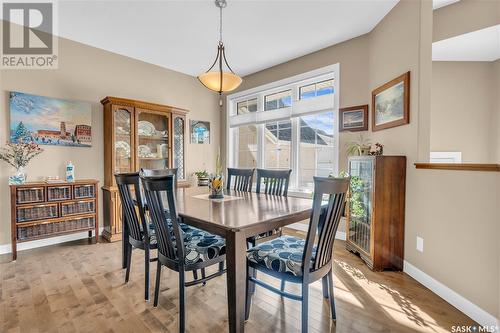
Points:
(360, 202)
(152, 140)
(179, 129)
(122, 119)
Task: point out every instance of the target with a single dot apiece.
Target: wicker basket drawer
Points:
(29, 231)
(77, 207)
(58, 193)
(30, 195)
(84, 191)
(36, 212)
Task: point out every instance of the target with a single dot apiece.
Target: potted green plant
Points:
(360, 147)
(203, 177)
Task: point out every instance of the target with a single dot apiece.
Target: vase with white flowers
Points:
(19, 155)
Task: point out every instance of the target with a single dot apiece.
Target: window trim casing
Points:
(294, 83)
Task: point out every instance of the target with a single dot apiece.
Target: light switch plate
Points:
(420, 244)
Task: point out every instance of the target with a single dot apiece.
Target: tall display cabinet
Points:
(376, 210)
(138, 135)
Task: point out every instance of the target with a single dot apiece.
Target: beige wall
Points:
(465, 16)
(495, 123)
(442, 207)
(89, 74)
(464, 103)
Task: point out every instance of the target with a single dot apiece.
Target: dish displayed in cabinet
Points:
(146, 128)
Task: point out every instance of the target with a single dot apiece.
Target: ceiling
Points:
(480, 45)
(436, 4)
(183, 35)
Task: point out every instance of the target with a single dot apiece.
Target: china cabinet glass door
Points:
(360, 202)
(152, 140)
(179, 129)
(123, 140)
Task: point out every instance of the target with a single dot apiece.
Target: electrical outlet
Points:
(420, 244)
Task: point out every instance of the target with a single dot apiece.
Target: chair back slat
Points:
(276, 182)
(161, 172)
(160, 196)
(324, 221)
(133, 215)
(242, 179)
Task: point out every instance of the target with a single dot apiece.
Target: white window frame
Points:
(294, 83)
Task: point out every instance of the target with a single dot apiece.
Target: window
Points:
(270, 127)
(247, 146)
(277, 144)
(247, 106)
(316, 148)
(278, 100)
(316, 89)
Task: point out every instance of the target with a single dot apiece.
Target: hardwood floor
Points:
(76, 287)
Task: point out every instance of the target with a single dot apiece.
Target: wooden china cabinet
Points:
(376, 210)
(138, 135)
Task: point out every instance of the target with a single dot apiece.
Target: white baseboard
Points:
(461, 303)
(7, 248)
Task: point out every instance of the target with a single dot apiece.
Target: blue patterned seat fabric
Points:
(199, 245)
(283, 254)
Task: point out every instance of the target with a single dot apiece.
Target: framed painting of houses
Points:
(50, 121)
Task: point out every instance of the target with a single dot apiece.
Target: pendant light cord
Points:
(220, 24)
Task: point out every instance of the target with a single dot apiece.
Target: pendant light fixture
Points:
(219, 80)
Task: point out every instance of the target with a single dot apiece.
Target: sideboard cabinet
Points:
(41, 210)
(138, 135)
(376, 210)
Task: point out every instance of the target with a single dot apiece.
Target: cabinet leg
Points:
(14, 251)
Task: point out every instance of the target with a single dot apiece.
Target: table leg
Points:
(236, 279)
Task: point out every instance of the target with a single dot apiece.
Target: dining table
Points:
(236, 217)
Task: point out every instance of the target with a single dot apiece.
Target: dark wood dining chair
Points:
(241, 179)
(166, 172)
(161, 172)
(181, 250)
(272, 182)
(300, 261)
(275, 182)
(140, 236)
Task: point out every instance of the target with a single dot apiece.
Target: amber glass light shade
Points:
(211, 80)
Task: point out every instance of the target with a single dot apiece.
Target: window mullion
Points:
(295, 142)
(295, 153)
(260, 146)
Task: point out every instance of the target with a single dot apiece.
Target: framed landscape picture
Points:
(391, 103)
(50, 121)
(200, 131)
(354, 118)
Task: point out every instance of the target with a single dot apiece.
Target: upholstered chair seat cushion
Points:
(199, 245)
(283, 254)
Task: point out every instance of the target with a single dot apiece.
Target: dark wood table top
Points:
(240, 211)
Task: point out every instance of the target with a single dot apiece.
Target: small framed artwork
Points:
(391, 103)
(354, 118)
(200, 131)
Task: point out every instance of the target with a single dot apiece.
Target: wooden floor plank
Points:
(76, 287)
